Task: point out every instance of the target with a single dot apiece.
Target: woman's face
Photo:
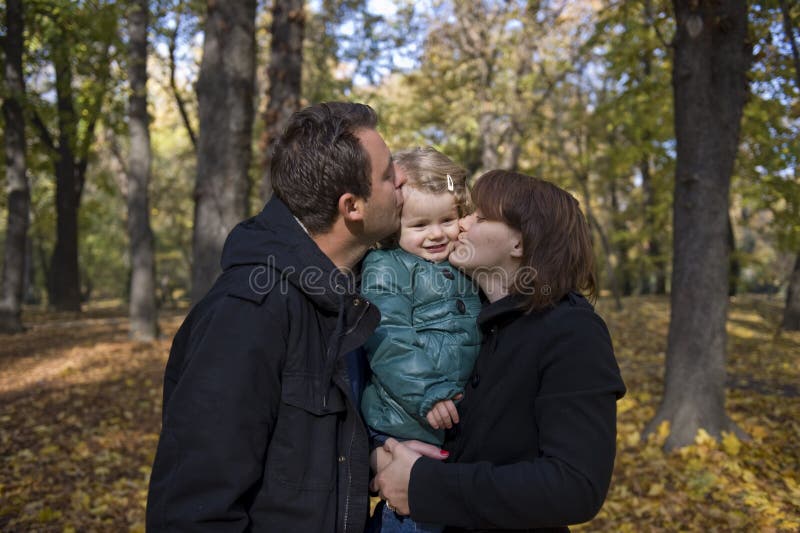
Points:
(486, 244)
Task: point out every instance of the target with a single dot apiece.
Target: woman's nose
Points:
(464, 223)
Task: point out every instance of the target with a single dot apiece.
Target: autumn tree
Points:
(791, 313)
(143, 323)
(77, 42)
(285, 77)
(16, 179)
(225, 99)
(711, 61)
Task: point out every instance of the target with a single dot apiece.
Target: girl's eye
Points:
(479, 219)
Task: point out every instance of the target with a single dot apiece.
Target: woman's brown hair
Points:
(557, 255)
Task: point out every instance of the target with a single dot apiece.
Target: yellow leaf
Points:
(730, 443)
(656, 489)
(49, 450)
(703, 438)
(632, 439)
(758, 432)
(663, 430)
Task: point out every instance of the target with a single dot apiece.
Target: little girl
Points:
(423, 352)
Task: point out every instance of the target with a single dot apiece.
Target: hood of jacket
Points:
(276, 243)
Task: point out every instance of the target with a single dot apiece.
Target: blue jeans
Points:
(386, 521)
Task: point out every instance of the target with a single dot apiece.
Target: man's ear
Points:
(516, 250)
(351, 207)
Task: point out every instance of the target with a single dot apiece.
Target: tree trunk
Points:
(657, 262)
(16, 179)
(225, 99)
(143, 317)
(583, 181)
(285, 77)
(611, 272)
(488, 137)
(791, 313)
(735, 268)
(710, 88)
(65, 281)
(622, 242)
(29, 293)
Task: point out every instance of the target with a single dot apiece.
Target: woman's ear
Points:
(351, 207)
(516, 249)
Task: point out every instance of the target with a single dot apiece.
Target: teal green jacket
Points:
(426, 345)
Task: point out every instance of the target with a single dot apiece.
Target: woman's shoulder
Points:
(573, 308)
(573, 316)
(581, 345)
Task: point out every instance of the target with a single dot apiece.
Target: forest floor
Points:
(80, 412)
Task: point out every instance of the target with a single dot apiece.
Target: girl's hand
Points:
(443, 414)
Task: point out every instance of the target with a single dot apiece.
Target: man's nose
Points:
(399, 179)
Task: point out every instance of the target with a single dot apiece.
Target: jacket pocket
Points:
(305, 392)
(303, 452)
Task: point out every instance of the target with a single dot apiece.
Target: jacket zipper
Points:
(358, 320)
(349, 478)
(352, 434)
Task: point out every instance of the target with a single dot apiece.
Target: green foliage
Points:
(768, 168)
(578, 93)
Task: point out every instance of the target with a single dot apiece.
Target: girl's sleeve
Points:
(395, 352)
(567, 483)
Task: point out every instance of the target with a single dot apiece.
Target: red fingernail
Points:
(444, 453)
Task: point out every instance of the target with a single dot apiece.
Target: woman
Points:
(535, 444)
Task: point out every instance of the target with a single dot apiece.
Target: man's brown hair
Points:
(557, 255)
(318, 158)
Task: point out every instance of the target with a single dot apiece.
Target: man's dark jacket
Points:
(260, 431)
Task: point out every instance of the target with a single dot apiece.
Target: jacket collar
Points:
(275, 239)
(502, 311)
(510, 307)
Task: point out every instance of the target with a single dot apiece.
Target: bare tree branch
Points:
(174, 85)
(788, 28)
(44, 133)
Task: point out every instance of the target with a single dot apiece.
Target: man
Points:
(261, 429)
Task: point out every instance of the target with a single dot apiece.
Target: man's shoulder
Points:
(252, 283)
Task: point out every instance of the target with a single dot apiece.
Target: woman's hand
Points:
(380, 457)
(394, 461)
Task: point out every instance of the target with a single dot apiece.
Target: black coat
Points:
(536, 443)
(260, 431)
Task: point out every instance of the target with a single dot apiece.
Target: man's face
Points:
(385, 202)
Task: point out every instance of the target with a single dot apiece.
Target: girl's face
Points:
(486, 244)
(429, 224)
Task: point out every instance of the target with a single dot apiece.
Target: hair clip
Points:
(451, 186)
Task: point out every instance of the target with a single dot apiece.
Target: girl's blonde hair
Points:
(427, 169)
